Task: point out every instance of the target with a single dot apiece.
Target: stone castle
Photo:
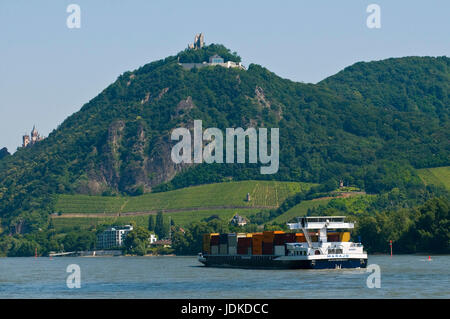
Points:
(199, 42)
(28, 140)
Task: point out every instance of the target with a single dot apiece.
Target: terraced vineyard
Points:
(263, 194)
(180, 218)
(436, 176)
(183, 205)
(300, 210)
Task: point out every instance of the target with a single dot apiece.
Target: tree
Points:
(160, 230)
(4, 152)
(151, 223)
(137, 241)
(432, 226)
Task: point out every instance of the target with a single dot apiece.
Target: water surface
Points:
(402, 276)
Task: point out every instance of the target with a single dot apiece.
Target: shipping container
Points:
(214, 249)
(333, 237)
(207, 242)
(279, 250)
(281, 239)
(232, 250)
(267, 248)
(244, 250)
(300, 238)
(290, 237)
(269, 234)
(257, 240)
(215, 239)
(223, 249)
(223, 239)
(244, 242)
(232, 240)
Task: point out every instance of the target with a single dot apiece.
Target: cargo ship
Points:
(323, 243)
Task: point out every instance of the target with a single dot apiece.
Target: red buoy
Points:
(390, 244)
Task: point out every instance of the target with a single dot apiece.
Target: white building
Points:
(213, 61)
(113, 237)
(152, 239)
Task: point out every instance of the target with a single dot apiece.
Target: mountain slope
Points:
(119, 142)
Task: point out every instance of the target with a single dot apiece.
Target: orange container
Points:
(269, 235)
(300, 238)
(207, 242)
(257, 240)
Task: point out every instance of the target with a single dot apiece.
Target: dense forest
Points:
(372, 125)
(4, 152)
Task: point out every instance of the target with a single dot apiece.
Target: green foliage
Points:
(151, 223)
(160, 227)
(432, 228)
(226, 194)
(137, 241)
(79, 240)
(439, 176)
(203, 54)
(293, 200)
(4, 152)
(189, 242)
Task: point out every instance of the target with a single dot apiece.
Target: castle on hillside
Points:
(199, 42)
(214, 60)
(32, 139)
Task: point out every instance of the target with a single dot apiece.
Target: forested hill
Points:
(408, 84)
(4, 152)
(405, 100)
(369, 124)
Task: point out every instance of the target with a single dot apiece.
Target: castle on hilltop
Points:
(32, 139)
(199, 42)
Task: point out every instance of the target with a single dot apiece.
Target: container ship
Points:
(323, 243)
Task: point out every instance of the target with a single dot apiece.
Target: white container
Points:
(279, 250)
(232, 240)
(232, 250)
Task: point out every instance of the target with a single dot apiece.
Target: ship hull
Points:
(274, 262)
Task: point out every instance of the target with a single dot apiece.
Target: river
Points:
(401, 276)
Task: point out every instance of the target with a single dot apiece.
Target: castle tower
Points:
(34, 135)
(199, 42)
(25, 140)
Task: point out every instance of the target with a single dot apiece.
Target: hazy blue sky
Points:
(48, 71)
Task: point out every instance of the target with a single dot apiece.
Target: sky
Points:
(49, 71)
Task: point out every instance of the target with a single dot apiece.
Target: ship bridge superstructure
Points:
(320, 222)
